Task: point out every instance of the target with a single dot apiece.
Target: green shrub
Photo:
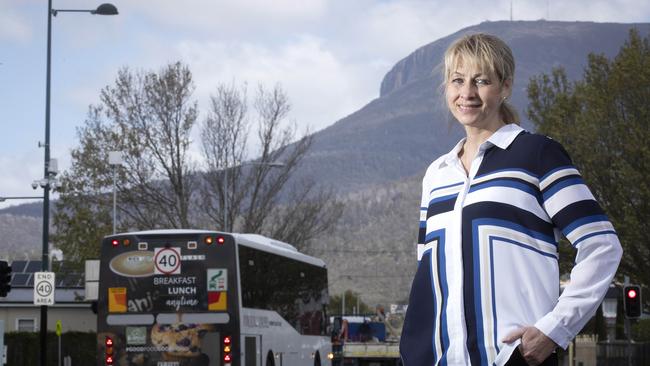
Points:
(23, 348)
(641, 330)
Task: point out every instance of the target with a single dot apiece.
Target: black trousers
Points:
(518, 360)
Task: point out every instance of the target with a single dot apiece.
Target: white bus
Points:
(190, 297)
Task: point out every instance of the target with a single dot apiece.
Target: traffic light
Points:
(5, 278)
(632, 301)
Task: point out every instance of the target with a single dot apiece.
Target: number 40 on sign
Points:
(167, 261)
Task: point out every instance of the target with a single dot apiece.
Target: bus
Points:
(194, 297)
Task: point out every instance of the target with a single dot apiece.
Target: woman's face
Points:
(474, 97)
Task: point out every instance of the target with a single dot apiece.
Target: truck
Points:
(367, 340)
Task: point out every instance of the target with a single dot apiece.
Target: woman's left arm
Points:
(575, 212)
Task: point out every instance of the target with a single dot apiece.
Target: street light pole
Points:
(114, 160)
(46, 189)
(104, 9)
(225, 199)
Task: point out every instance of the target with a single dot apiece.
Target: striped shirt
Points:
(488, 252)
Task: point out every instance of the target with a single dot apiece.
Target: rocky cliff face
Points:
(536, 45)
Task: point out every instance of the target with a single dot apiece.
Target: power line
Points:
(351, 276)
(382, 251)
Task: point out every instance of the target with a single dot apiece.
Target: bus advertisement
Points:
(190, 297)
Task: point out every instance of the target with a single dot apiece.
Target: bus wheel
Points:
(270, 360)
(317, 359)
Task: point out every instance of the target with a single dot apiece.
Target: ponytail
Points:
(508, 113)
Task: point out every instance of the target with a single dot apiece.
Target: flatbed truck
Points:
(365, 341)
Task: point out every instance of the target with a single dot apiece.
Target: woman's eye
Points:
(482, 81)
(457, 81)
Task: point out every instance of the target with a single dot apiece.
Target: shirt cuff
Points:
(553, 328)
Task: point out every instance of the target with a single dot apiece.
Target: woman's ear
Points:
(506, 88)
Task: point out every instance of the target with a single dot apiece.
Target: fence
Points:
(622, 353)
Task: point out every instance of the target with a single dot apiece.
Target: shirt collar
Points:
(505, 135)
(502, 138)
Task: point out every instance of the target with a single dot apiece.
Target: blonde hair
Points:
(490, 55)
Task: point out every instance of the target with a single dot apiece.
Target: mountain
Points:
(399, 133)
(20, 236)
(375, 157)
(34, 209)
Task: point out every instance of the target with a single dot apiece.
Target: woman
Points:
(486, 290)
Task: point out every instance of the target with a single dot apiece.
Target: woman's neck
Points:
(475, 137)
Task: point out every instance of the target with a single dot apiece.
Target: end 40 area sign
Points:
(44, 288)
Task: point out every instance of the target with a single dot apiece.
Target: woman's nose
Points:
(467, 90)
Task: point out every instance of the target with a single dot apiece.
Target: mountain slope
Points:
(398, 134)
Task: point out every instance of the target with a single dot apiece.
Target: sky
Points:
(328, 55)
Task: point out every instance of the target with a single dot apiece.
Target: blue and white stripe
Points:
(488, 244)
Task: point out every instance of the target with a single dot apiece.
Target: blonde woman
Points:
(486, 291)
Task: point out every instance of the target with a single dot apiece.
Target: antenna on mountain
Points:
(511, 10)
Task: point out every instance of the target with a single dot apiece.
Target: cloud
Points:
(13, 25)
(231, 18)
(22, 169)
(321, 88)
(619, 11)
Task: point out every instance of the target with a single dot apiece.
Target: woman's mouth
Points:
(468, 107)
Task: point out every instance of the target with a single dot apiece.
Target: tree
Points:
(251, 195)
(148, 116)
(153, 114)
(603, 121)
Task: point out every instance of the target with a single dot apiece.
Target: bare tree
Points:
(254, 194)
(153, 115)
(309, 213)
(148, 116)
(224, 135)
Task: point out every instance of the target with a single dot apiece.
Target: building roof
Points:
(69, 287)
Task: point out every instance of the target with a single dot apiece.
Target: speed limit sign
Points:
(167, 261)
(44, 288)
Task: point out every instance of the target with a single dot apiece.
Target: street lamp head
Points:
(105, 9)
(115, 158)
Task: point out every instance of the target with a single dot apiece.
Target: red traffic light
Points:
(632, 301)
